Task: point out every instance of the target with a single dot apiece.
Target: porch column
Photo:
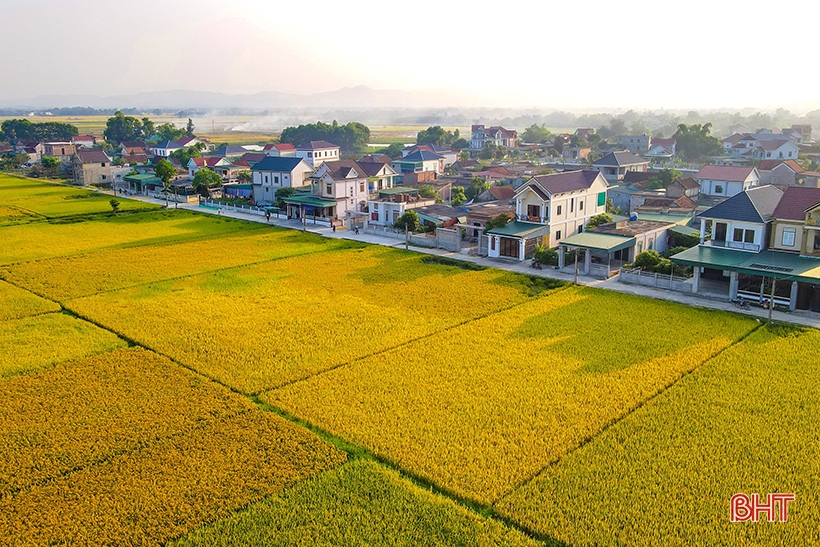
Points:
(732, 285)
(587, 261)
(696, 279)
(521, 249)
(561, 257)
(793, 297)
(702, 230)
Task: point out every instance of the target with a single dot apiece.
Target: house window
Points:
(788, 237)
(266, 179)
(492, 243)
(310, 154)
(351, 191)
(558, 210)
(718, 188)
(580, 205)
(329, 188)
(601, 199)
(558, 235)
(361, 187)
(749, 236)
(651, 243)
(580, 228)
(738, 236)
(640, 247)
(571, 204)
(534, 210)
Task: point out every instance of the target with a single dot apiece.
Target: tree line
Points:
(120, 127)
(22, 130)
(352, 138)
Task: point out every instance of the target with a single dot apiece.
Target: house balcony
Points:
(532, 218)
(736, 245)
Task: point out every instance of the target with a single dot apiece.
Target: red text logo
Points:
(774, 508)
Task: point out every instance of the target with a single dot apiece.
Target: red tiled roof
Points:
(504, 193)
(689, 183)
(280, 146)
(93, 156)
(768, 165)
(724, 172)
(773, 144)
(795, 201)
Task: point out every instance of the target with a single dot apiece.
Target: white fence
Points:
(653, 279)
(398, 235)
(247, 209)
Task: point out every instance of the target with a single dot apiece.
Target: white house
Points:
(164, 149)
(83, 141)
(284, 149)
(615, 165)
(195, 164)
(419, 162)
(726, 181)
(496, 135)
(272, 173)
(548, 209)
(776, 150)
(338, 192)
(317, 152)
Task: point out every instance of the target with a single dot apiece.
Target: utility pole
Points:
(406, 237)
(771, 298)
(576, 265)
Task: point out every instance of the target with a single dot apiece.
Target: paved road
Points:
(804, 318)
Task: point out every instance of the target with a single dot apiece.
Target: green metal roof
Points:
(683, 220)
(518, 229)
(387, 192)
(766, 263)
(684, 230)
(145, 177)
(599, 242)
(310, 200)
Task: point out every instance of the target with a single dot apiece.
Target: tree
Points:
(204, 180)
(536, 133)
(694, 142)
(409, 221)
(428, 191)
(599, 219)
(352, 137)
(189, 128)
(184, 155)
(244, 177)
(437, 135)
(544, 255)
(115, 205)
(120, 127)
(496, 222)
(477, 185)
(460, 143)
(663, 179)
(50, 164)
(281, 194)
(22, 130)
(463, 156)
(165, 171)
(610, 207)
(394, 150)
(488, 152)
(169, 132)
(457, 196)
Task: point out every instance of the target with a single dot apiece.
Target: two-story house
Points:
(92, 167)
(549, 208)
(339, 191)
(495, 135)
(284, 149)
(637, 144)
(317, 152)
(780, 172)
(163, 149)
(726, 180)
(756, 255)
(274, 172)
(380, 175)
(210, 162)
(615, 165)
(418, 167)
(59, 149)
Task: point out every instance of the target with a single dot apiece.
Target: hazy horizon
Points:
(524, 55)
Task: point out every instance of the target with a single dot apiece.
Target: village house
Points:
(163, 149)
(495, 135)
(686, 186)
(637, 144)
(62, 150)
(574, 152)
(339, 191)
(615, 165)
(418, 167)
(195, 164)
(83, 141)
(504, 192)
(276, 172)
(779, 172)
(280, 149)
(548, 209)
(380, 176)
(763, 241)
(479, 213)
(317, 152)
(92, 167)
(725, 180)
(449, 156)
(386, 208)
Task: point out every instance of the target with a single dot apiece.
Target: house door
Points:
(720, 232)
(509, 247)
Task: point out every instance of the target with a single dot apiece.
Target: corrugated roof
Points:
(619, 159)
(420, 155)
(518, 229)
(765, 263)
(277, 163)
(599, 242)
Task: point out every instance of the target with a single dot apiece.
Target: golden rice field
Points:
(745, 422)
(31, 343)
(169, 376)
(358, 504)
(67, 237)
(21, 197)
(16, 303)
(63, 278)
(261, 326)
(481, 408)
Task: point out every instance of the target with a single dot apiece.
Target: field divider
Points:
(358, 452)
(615, 421)
(545, 294)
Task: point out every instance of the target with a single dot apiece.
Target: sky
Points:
(547, 54)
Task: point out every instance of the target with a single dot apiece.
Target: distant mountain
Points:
(347, 97)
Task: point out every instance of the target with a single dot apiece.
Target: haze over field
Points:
(252, 54)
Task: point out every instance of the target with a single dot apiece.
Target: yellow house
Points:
(796, 222)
